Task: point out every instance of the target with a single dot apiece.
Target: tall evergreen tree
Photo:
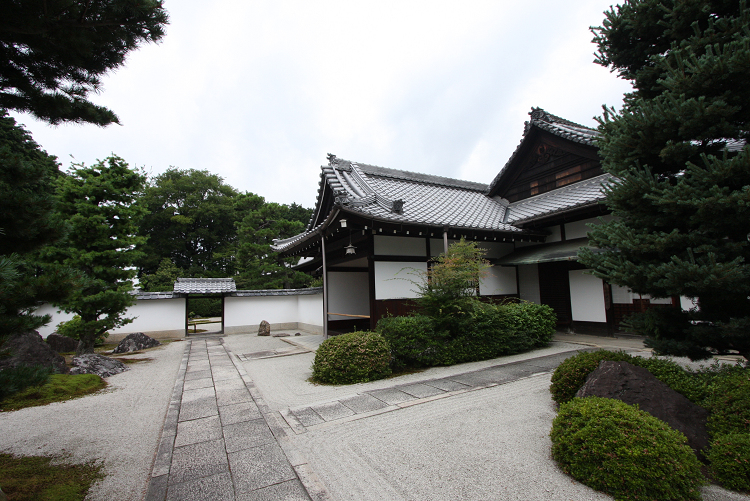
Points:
(27, 184)
(54, 52)
(99, 204)
(678, 149)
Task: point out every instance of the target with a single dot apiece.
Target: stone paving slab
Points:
(331, 411)
(236, 413)
(259, 467)
(402, 396)
(221, 442)
(420, 390)
(363, 403)
(198, 430)
(390, 396)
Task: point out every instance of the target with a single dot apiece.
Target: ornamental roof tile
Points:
(204, 285)
(573, 196)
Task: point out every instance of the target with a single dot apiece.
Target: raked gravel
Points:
(118, 426)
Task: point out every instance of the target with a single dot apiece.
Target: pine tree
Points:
(27, 223)
(678, 149)
(54, 52)
(99, 204)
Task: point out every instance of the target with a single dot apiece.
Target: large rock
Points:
(264, 329)
(29, 348)
(135, 342)
(637, 386)
(91, 363)
(62, 344)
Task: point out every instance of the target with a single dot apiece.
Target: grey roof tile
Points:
(204, 285)
(569, 197)
(278, 292)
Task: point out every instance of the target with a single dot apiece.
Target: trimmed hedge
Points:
(729, 403)
(730, 460)
(623, 451)
(481, 332)
(355, 357)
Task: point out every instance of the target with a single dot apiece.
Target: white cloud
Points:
(258, 92)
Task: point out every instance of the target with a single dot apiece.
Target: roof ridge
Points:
(539, 115)
(418, 177)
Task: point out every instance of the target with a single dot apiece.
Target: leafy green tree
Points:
(27, 184)
(258, 266)
(164, 277)
(191, 222)
(678, 150)
(99, 205)
(451, 283)
(54, 52)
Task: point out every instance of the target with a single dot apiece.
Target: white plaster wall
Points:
(251, 310)
(437, 246)
(528, 281)
(586, 297)
(392, 279)
(155, 315)
(150, 315)
(578, 229)
(496, 250)
(499, 280)
(623, 295)
(57, 317)
(688, 303)
(349, 292)
(399, 246)
(310, 309)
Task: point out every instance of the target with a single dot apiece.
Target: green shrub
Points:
(356, 357)
(623, 451)
(72, 328)
(537, 322)
(571, 374)
(729, 403)
(730, 460)
(15, 379)
(206, 307)
(413, 340)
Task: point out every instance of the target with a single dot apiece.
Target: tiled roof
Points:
(554, 125)
(204, 285)
(279, 292)
(157, 295)
(580, 194)
(401, 196)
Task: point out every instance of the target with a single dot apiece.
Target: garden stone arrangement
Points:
(135, 342)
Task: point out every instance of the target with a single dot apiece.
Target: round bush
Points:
(413, 340)
(356, 357)
(537, 322)
(623, 451)
(729, 403)
(730, 460)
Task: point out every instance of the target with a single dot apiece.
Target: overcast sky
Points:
(259, 91)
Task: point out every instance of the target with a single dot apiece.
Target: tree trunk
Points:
(85, 345)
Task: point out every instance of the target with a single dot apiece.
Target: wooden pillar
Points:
(325, 285)
(445, 240)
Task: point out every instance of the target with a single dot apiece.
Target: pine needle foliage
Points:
(678, 151)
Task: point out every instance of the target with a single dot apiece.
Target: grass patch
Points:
(59, 387)
(37, 479)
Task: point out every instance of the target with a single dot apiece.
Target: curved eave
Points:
(305, 240)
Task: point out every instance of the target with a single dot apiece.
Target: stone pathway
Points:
(374, 402)
(221, 442)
